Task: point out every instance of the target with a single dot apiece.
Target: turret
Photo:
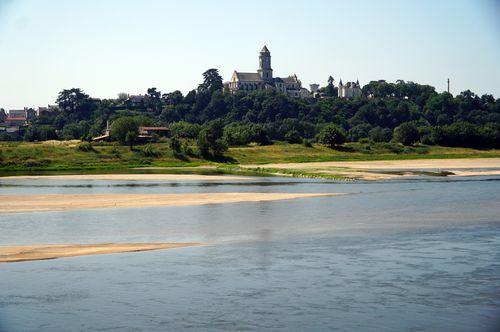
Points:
(265, 71)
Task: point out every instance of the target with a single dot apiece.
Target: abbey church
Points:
(263, 79)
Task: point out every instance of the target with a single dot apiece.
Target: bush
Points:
(332, 136)
(149, 151)
(293, 137)
(406, 133)
(85, 147)
(184, 129)
(210, 142)
(307, 143)
(175, 144)
(125, 130)
(358, 132)
(379, 134)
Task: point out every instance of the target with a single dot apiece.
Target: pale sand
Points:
(58, 202)
(133, 177)
(414, 164)
(10, 254)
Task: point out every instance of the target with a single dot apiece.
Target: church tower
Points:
(265, 71)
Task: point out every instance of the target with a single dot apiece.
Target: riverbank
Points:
(11, 254)
(384, 169)
(58, 202)
(21, 158)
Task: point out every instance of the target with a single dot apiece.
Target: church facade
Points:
(263, 79)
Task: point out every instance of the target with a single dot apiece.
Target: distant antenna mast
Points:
(448, 85)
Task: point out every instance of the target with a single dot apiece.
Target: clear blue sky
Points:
(107, 47)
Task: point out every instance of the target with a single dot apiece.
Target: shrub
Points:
(331, 135)
(293, 137)
(307, 143)
(85, 147)
(125, 130)
(379, 134)
(406, 133)
(149, 151)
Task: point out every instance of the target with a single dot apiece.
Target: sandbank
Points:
(63, 202)
(10, 254)
(390, 169)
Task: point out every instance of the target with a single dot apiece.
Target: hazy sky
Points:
(106, 47)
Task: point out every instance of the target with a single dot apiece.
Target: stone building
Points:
(263, 79)
(349, 90)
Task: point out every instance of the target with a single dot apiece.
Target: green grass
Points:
(70, 156)
(295, 153)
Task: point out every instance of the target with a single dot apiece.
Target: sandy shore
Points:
(422, 164)
(389, 169)
(10, 254)
(57, 202)
(133, 177)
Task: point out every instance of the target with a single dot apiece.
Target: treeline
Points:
(405, 112)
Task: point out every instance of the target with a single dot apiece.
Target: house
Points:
(150, 131)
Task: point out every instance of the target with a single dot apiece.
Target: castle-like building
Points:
(263, 80)
(349, 90)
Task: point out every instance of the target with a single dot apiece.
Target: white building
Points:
(349, 90)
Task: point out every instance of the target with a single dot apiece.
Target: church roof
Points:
(264, 50)
(290, 79)
(253, 77)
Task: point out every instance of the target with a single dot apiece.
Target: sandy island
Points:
(63, 202)
(132, 177)
(10, 254)
(388, 169)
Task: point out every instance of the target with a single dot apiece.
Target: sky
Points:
(107, 47)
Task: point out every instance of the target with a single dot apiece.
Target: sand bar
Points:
(10, 254)
(60, 202)
(414, 164)
(132, 177)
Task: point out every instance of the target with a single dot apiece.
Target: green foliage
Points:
(212, 81)
(406, 133)
(210, 140)
(331, 135)
(307, 143)
(125, 130)
(85, 147)
(183, 129)
(175, 144)
(265, 116)
(379, 134)
(293, 137)
(149, 151)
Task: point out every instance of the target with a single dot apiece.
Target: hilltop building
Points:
(263, 79)
(349, 90)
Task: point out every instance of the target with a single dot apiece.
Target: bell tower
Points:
(265, 71)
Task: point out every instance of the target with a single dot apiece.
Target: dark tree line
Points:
(406, 112)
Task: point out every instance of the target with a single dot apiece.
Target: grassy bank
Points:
(70, 156)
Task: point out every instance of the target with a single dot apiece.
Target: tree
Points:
(293, 137)
(379, 134)
(210, 141)
(3, 115)
(330, 88)
(125, 130)
(122, 96)
(74, 102)
(212, 81)
(153, 98)
(331, 135)
(406, 133)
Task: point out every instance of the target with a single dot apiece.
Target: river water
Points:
(413, 255)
